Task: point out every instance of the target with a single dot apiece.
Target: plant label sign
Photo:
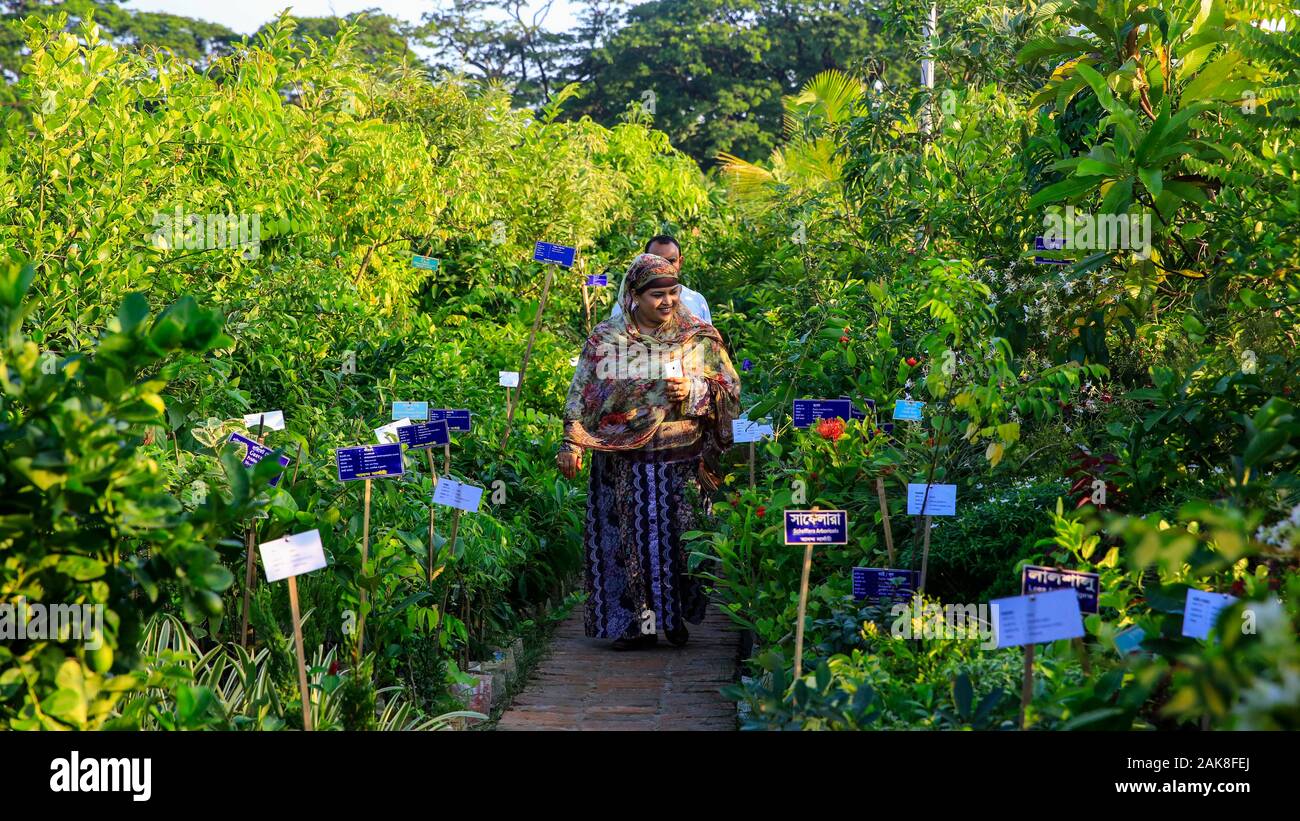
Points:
(271, 420)
(1037, 618)
(743, 430)
(411, 410)
(1055, 244)
(807, 411)
(816, 527)
(1035, 579)
(292, 555)
(1130, 641)
(1200, 611)
(255, 453)
(597, 280)
(427, 263)
(908, 410)
(423, 435)
(368, 462)
(455, 494)
(508, 379)
(550, 252)
(458, 420)
(387, 434)
(941, 501)
(878, 583)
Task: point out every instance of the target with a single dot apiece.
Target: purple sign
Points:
(807, 411)
(458, 420)
(256, 452)
(816, 527)
(550, 252)
(880, 583)
(369, 461)
(421, 435)
(597, 280)
(1035, 579)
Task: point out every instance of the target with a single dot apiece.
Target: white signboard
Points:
(508, 379)
(292, 556)
(272, 420)
(743, 430)
(1200, 611)
(451, 493)
(1037, 618)
(941, 501)
(387, 434)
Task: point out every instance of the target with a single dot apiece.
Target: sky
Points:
(246, 16)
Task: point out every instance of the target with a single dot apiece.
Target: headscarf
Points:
(608, 411)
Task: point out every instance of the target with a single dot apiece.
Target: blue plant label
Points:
(422, 435)
(816, 527)
(597, 280)
(255, 453)
(550, 252)
(908, 410)
(1041, 243)
(940, 501)
(369, 461)
(1037, 618)
(418, 411)
(1201, 609)
(884, 584)
(1049, 261)
(458, 420)
(1035, 579)
(1130, 641)
(807, 411)
(427, 263)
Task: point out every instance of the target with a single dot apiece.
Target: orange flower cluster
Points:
(831, 429)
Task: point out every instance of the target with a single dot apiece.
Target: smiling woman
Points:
(653, 440)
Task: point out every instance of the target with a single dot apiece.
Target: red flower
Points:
(844, 339)
(812, 474)
(830, 428)
(911, 361)
(762, 511)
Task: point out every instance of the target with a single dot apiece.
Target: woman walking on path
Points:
(653, 399)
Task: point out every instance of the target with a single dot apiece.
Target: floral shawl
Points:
(617, 400)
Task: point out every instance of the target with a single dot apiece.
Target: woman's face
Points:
(655, 305)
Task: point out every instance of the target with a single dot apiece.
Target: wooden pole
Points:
(433, 474)
(1027, 689)
(528, 351)
(884, 517)
(508, 402)
(302, 661)
(925, 551)
(365, 558)
(446, 456)
(586, 304)
(803, 609)
(751, 465)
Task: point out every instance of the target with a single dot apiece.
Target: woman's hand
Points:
(678, 388)
(569, 463)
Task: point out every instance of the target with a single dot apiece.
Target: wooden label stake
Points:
(925, 552)
(884, 517)
(803, 609)
(365, 558)
(1027, 689)
(302, 661)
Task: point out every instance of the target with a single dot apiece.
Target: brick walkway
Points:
(584, 685)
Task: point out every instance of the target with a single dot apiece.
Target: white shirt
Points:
(693, 300)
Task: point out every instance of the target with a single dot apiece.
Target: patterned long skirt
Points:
(636, 513)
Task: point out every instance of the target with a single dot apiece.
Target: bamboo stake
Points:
(432, 508)
(925, 551)
(884, 517)
(249, 574)
(803, 609)
(302, 662)
(751, 465)
(365, 557)
(1027, 689)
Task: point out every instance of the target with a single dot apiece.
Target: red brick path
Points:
(584, 685)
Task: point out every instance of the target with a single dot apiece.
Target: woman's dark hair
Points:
(663, 239)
